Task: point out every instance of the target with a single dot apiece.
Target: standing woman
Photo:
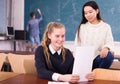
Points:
(93, 31)
(52, 60)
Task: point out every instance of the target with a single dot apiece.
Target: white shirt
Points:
(53, 51)
(55, 76)
(97, 35)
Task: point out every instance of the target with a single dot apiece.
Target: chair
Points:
(115, 65)
(18, 63)
(107, 74)
(29, 65)
(2, 59)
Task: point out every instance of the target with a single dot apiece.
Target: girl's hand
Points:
(90, 76)
(73, 78)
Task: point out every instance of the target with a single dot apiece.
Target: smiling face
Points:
(91, 14)
(57, 37)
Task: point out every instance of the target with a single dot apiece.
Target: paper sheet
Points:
(83, 61)
(52, 82)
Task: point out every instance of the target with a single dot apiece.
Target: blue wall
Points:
(68, 12)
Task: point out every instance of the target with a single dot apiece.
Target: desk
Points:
(33, 79)
(23, 44)
(6, 45)
(7, 75)
(13, 45)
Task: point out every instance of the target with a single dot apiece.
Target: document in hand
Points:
(53, 82)
(83, 61)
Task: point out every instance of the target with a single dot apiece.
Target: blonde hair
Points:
(46, 41)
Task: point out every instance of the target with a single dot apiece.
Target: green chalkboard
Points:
(110, 11)
(68, 12)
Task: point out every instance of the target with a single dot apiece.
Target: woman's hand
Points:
(90, 76)
(73, 78)
(104, 52)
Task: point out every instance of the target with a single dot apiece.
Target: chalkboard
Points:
(69, 13)
(3, 17)
(110, 11)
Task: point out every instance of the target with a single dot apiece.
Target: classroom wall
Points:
(17, 21)
(68, 12)
(18, 14)
(3, 16)
(12, 14)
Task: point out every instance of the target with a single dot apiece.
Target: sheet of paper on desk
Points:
(52, 82)
(83, 61)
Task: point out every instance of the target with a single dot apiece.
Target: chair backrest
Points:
(107, 74)
(17, 62)
(29, 65)
(2, 59)
(115, 65)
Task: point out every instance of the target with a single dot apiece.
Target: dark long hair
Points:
(92, 4)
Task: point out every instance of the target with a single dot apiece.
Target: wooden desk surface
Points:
(7, 75)
(33, 79)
